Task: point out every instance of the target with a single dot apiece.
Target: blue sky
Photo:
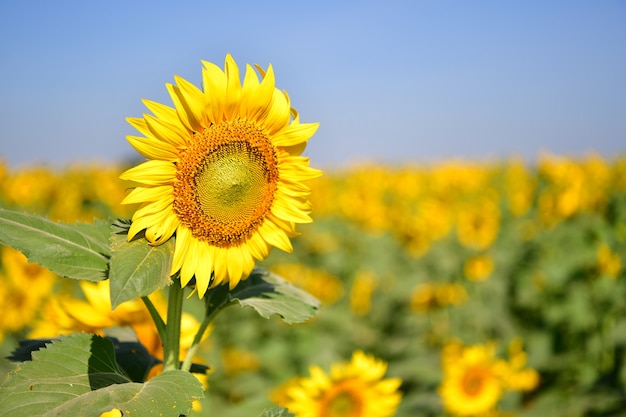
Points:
(391, 81)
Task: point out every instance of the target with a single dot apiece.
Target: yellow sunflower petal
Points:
(205, 268)
(154, 207)
(166, 114)
(153, 172)
(152, 149)
(190, 264)
(195, 102)
(139, 124)
(275, 237)
(182, 107)
(295, 133)
(258, 247)
(233, 88)
(163, 229)
(235, 263)
(214, 81)
(292, 210)
(259, 99)
(220, 267)
(165, 132)
(278, 113)
(180, 252)
(145, 222)
(141, 194)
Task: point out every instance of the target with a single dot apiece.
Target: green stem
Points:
(156, 317)
(171, 342)
(216, 300)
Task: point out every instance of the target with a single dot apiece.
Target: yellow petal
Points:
(204, 269)
(190, 263)
(278, 113)
(152, 172)
(275, 236)
(180, 250)
(161, 231)
(220, 266)
(153, 149)
(140, 124)
(195, 101)
(166, 132)
(233, 88)
(235, 265)
(258, 247)
(141, 194)
(295, 134)
(182, 107)
(214, 81)
(259, 100)
(291, 211)
(167, 114)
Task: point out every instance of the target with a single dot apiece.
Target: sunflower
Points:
(224, 174)
(478, 268)
(472, 382)
(355, 389)
(24, 287)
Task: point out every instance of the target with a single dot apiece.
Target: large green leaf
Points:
(137, 268)
(270, 294)
(79, 251)
(78, 376)
(133, 358)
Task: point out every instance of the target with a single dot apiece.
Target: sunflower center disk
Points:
(473, 381)
(226, 183)
(345, 401)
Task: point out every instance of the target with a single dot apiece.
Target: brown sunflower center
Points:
(343, 400)
(474, 380)
(226, 181)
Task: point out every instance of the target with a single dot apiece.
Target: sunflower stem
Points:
(216, 299)
(196, 342)
(156, 317)
(171, 342)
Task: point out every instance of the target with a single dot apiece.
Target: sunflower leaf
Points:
(270, 294)
(137, 268)
(78, 375)
(79, 251)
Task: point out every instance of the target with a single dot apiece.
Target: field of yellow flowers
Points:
(488, 289)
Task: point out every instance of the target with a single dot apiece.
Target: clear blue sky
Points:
(388, 80)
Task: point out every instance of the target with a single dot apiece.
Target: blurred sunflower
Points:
(24, 286)
(478, 224)
(355, 389)
(478, 267)
(361, 293)
(608, 262)
(472, 383)
(225, 174)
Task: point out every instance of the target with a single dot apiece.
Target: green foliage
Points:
(269, 294)
(78, 375)
(79, 251)
(137, 268)
(133, 358)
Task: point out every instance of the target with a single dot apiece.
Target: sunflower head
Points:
(224, 173)
(472, 383)
(352, 389)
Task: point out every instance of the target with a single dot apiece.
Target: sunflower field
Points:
(457, 288)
